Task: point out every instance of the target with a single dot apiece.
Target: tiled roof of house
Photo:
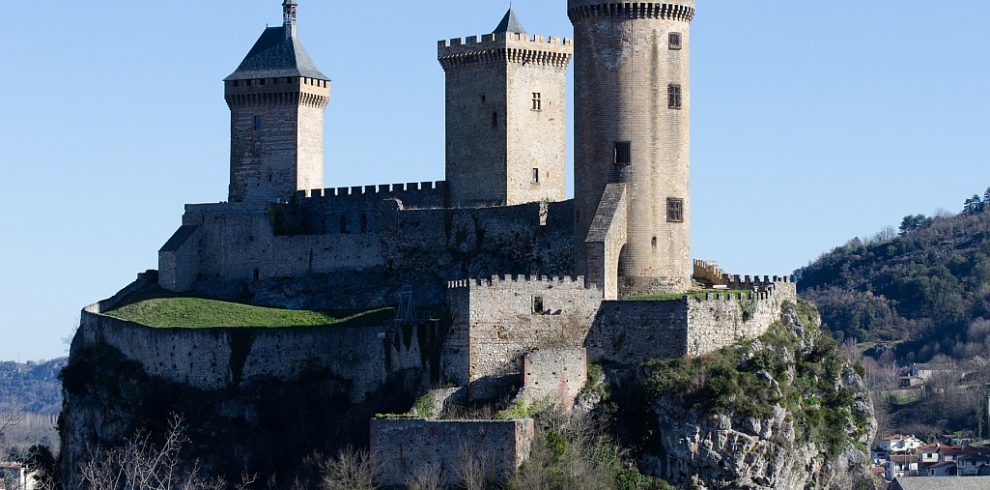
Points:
(941, 483)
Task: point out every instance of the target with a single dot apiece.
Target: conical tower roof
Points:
(510, 23)
(278, 53)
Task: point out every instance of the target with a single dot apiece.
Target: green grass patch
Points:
(699, 295)
(901, 398)
(191, 312)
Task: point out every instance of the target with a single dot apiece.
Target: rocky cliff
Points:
(784, 411)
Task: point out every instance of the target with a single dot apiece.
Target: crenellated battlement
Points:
(644, 10)
(755, 283)
(511, 280)
(373, 190)
(505, 47)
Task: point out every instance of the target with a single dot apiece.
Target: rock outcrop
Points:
(781, 412)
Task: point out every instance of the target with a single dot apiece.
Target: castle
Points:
(499, 225)
(606, 276)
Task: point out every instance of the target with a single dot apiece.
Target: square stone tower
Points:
(277, 98)
(506, 112)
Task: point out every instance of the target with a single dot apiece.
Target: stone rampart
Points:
(404, 449)
(723, 319)
(219, 358)
(498, 320)
(630, 332)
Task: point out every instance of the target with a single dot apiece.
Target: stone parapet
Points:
(582, 10)
(505, 47)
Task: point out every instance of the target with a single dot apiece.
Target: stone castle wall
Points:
(497, 321)
(355, 247)
(219, 358)
(403, 450)
(556, 374)
(630, 332)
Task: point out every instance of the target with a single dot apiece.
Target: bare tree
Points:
(428, 478)
(473, 471)
(350, 470)
(143, 465)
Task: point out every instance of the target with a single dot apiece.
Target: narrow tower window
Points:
(538, 308)
(675, 210)
(537, 101)
(257, 123)
(343, 225)
(674, 96)
(622, 153)
(495, 119)
(674, 40)
(536, 176)
(257, 149)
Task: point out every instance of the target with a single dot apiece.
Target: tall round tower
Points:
(632, 136)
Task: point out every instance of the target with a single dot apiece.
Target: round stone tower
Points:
(632, 135)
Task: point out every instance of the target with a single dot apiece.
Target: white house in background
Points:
(899, 444)
(929, 453)
(901, 465)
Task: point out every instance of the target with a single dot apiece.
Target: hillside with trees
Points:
(915, 296)
(30, 402)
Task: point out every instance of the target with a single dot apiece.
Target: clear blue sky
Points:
(814, 122)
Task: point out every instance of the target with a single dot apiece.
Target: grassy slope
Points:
(189, 312)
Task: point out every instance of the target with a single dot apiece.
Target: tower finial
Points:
(289, 16)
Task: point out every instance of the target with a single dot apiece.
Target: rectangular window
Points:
(674, 96)
(257, 123)
(536, 176)
(257, 149)
(675, 210)
(675, 41)
(622, 153)
(537, 101)
(538, 307)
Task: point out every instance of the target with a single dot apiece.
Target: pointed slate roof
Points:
(510, 23)
(277, 55)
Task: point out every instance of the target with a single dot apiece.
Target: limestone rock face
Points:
(725, 449)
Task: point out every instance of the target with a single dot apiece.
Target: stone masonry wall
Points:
(357, 247)
(401, 450)
(218, 358)
(507, 317)
(556, 374)
(630, 332)
(722, 319)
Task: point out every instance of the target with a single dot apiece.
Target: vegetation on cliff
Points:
(783, 411)
(800, 371)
